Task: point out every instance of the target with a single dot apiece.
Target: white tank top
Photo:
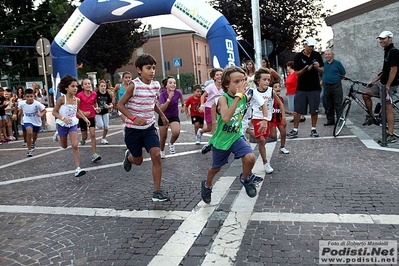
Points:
(68, 111)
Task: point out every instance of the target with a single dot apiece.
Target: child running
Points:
(194, 102)
(138, 104)
(120, 89)
(89, 107)
(32, 112)
(169, 104)
(211, 93)
(104, 102)
(228, 137)
(278, 118)
(65, 110)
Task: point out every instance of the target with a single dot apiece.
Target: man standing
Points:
(307, 64)
(333, 70)
(388, 79)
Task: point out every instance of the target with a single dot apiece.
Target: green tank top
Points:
(226, 134)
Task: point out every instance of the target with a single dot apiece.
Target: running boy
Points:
(197, 118)
(228, 137)
(32, 118)
(65, 110)
(138, 104)
(278, 118)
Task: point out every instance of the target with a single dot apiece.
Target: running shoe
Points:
(160, 195)
(198, 137)
(284, 150)
(390, 139)
(162, 154)
(127, 165)
(82, 142)
(292, 134)
(24, 144)
(206, 193)
(79, 172)
(104, 141)
(249, 186)
(256, 179)
(55, 136)
(172, 148)
(206, 148)
(268, 168)
(96, 157)
(314, 134)
(30, 153)
(33, 146)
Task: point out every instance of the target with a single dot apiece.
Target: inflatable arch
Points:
(208, 22)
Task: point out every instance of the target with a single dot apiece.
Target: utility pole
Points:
(257, 34)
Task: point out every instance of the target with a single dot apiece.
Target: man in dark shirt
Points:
(307, 64)
(388, 79)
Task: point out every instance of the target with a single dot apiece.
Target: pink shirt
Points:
(213, 93)
(87, 103)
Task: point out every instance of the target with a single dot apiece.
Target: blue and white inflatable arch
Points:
(91, 13)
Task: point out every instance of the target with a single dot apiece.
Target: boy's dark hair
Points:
(258, 74)
(290, 64)
(197, 87)
(29, 91)
(213, 72)
(226, 75)
(1, 89)
(273, 83)
(65, 82)
(145, 59)
(165, 80)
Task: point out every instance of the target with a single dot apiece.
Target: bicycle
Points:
(375, 118)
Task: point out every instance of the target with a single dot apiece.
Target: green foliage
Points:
(284, 22)
(187, 80)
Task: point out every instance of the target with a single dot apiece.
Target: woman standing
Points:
(169, 104)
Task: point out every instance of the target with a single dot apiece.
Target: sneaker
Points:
(104, 141)
(33, 147)
(368, 121)
(172, 148)
(249, 186)
(303, 119)
(256, 179)
(127, 165)
(160, 195)
(96, 157)
(82, 142)
(206, 148)
(30, 153)
(162, 154)
(206, 193)
(79, 172)
(55, 136)
(24, 144)
(284, 150)
(292, 134)
(313, 133)
(268, 168)
(198, 137)
(390, 139)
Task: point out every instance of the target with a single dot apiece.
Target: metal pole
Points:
(162, 59)
(384, 116)
(44, 68)
(256, 30)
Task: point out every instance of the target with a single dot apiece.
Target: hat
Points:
(385, 34)
(310, 41)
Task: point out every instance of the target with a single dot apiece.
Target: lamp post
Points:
(256, 33)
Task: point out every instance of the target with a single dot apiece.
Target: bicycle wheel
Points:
(341, 119)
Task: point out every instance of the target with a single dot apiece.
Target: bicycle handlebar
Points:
(354, 81)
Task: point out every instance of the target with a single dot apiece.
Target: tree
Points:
(283, 22)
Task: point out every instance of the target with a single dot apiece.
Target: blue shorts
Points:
(3, 117)
(239, 148)
(136, 139)
(36, 129)
(64, 131)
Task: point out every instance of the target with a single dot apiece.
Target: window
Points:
(199, 77)
(207, 61)
(198, 53)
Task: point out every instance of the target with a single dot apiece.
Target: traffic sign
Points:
(43, 46)
(177, 62)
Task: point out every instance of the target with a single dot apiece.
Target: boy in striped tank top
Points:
(138, 104)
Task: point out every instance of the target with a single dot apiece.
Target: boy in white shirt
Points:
(31, 120)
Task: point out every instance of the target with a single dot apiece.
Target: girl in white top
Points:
(65, 110)
(211, 93)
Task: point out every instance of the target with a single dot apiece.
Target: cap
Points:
(385, 34)
(310, 41)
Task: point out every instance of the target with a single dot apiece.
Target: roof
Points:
(357, 10)
(166, 31)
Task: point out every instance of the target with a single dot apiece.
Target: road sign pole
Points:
(178, 77)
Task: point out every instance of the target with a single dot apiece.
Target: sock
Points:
(295, 129)
(313, 128)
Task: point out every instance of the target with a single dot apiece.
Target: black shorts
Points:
(137, 139)
(303, 99)
(83, 124)
(197, 119)
(171, 119)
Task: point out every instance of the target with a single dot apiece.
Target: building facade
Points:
(167, 44)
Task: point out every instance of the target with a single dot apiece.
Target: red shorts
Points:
(275, 124)
(256, 128)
